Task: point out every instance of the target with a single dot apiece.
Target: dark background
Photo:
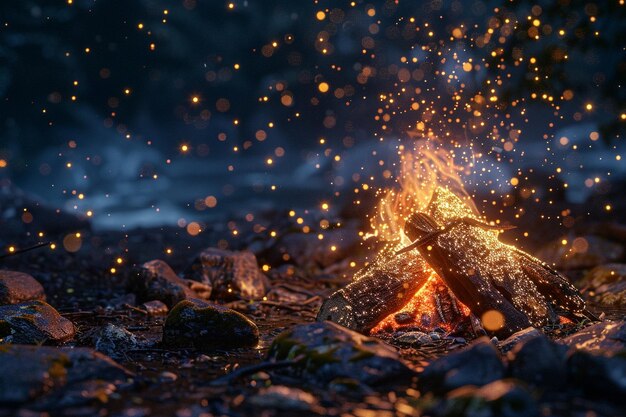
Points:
(108, 87)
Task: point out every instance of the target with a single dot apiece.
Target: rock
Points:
(17, 287)
(605, 338)
(326, 352)
(478, 364)
(154, 308)
(65, 375)
(34, 322)
(280, 397)
(607, 284)
(230, 274)
(412, 338)
(518, 337)
(114, 341)
(539, 361)
(497, 399)
(155, 280)
(195, 323)
(403, 318)
(598, 375)
(581, 252)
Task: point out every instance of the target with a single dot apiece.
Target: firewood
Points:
(378, 290)
(486, 274)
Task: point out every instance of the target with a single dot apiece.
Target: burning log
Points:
(378, 290)
(491, 279)
(487, 275)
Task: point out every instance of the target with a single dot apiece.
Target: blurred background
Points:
(155, 112)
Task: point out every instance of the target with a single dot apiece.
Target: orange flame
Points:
(422, 170)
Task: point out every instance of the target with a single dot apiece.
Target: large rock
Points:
(607, 284)
(604, 338)
(540, 362)
(17, 287)
(326, 352)
(599, 375)
(65, 376)
(588, 252)
(156, 280)
(497, 399)
(230, 274)
(195, 323)
(34, 322)
(478, 364)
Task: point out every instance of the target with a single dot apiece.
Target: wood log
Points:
(378, 290)
(486, 274)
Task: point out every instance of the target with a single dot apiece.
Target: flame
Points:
(423, 169)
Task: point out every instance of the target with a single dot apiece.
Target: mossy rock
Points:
(326, 352)
(34, 322)
(195, 323)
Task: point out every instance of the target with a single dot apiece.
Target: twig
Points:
(252, 369)
(20, 251)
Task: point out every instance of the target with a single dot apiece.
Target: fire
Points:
(423, 169)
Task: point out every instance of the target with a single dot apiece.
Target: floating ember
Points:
(449, 268)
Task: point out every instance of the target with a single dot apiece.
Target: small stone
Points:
(539, 361)
(114, 341)
(326, 352)
(403, 318)
(606, 338)
(231, 275)
(17, 287)
(155, 280)
(280, 397)
(478, 364)
(607, 283)
(195, 323)
(434, 336)
(413, 338)
(34, 322)
(566, 257)
(167, 376)
(518, 337)
(155, 308)
(497, 399)
(65, 375)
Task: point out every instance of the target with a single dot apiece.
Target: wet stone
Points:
(501, 398)
(231, 275)
(40, 376)
(605, 337)
(539, 361)
(478, 364)
(17, 287)
(34, 322)
(155, 280)
(114, 341)
(607, 284)
(326, 352)
(195, 323)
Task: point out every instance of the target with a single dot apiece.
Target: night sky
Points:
(156, 112)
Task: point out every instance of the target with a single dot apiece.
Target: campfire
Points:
(445, 267)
